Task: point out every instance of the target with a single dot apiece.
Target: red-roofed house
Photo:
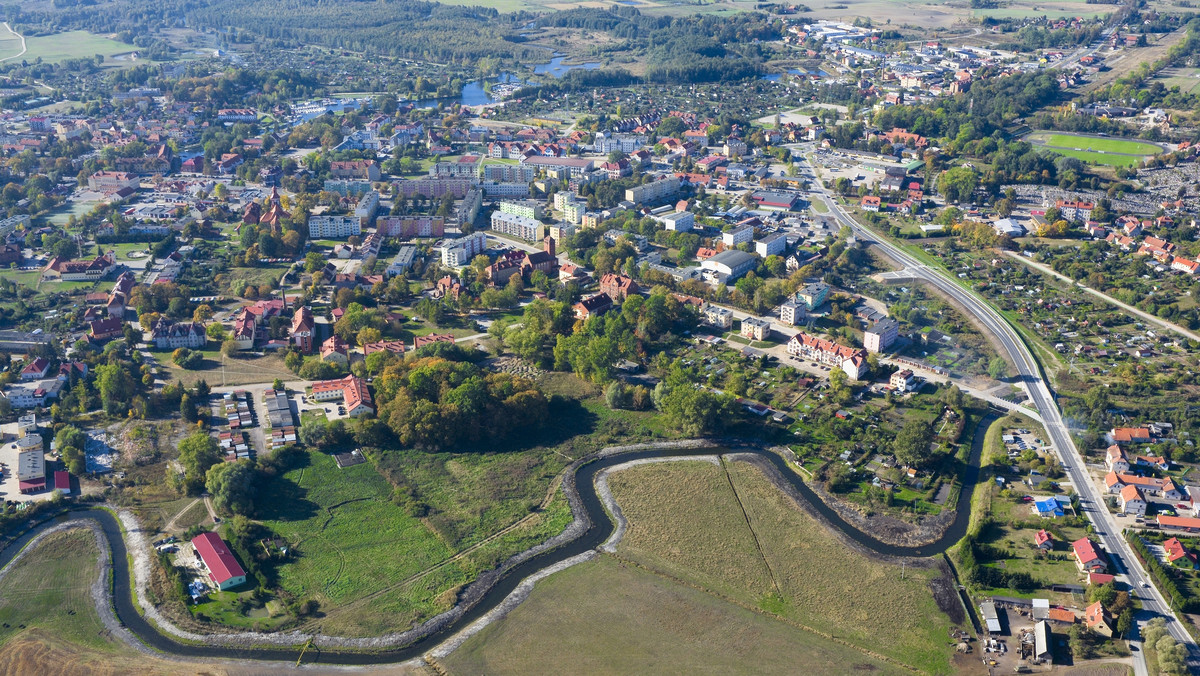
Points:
(618, 287)
(1132, 502)
(871, 203)
(1096, 619)
(36, 369)
(1043, 540)
(352, 390)
(1177, 554)
(1129, 435)
(1087, 557)
(421, 341)
(334, 349)
(1116, 460)
(223, 569)
(1100, 578)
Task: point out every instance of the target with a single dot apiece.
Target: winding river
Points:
(597, 528)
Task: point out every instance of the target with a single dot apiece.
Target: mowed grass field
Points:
(609, 617)
(1112, 152)
(72, 45)
(52, 580)
(680, 524)
(1106, 145)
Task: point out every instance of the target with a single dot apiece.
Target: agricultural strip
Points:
(606, 616)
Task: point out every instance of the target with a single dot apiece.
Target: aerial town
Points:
(607, 337)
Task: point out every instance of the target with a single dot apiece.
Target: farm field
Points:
(72, 45)
(1187, 79)
(605, 616)
(10, 42)
(679, 525)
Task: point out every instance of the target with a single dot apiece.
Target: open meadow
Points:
(606, 616)
(372, 565)
(770, 555)
(10, 43)
(1187, 79)
(73, 45)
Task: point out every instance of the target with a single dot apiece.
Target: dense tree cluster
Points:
(435, 404)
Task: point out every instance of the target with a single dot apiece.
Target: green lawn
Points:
(1108, 145)
(73, 45)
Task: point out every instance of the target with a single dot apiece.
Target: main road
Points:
(1119, 552)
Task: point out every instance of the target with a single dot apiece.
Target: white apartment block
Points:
(528, 229)
(333, 227)
(526, 208)
(459, 252)
(739, 235)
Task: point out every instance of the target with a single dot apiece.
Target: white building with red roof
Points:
(352, 390)
(223, 569)
(851, 360)
(1088, 557)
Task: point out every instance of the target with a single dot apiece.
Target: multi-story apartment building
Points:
(518, 226)
(333, 227)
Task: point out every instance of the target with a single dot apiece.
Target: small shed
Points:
(991, 617)
(62, 482)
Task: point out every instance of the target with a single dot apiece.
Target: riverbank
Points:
(590, 528)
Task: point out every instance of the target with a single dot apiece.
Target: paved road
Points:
(1170, 326)
(1120, 554)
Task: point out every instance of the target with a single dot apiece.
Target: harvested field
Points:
(678, 525)
(710, 534)
(605, 616)
(50, 589)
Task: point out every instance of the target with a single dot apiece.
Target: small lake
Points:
(473, 93)
(557, 68)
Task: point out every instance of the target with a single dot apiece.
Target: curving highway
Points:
(1119, 552)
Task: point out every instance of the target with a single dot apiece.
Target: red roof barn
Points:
(222, 567)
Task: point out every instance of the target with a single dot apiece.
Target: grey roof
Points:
(733, 258)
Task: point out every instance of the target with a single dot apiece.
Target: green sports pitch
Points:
(1113, 152)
